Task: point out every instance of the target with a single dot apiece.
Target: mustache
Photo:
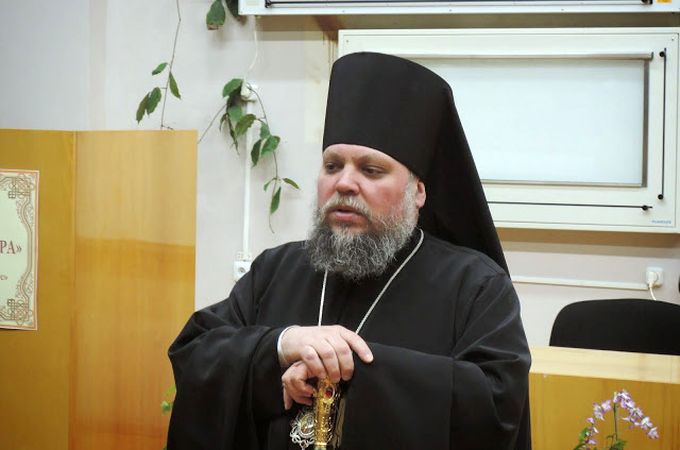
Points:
(338, 201)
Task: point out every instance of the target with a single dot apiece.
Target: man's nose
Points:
(347, 182)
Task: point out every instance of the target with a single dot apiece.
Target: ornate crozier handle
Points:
(325, 408)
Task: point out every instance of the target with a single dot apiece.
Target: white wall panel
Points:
(44, 64)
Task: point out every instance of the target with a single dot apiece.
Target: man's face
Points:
(375, 180)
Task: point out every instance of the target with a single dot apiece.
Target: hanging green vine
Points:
(239, 123)
(232, 112)
(152, 98)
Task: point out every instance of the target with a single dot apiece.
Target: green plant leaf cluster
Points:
(234, 111)
(266, 145)
(612, 442)
(168, 400)
(152, 98)
(234, 116)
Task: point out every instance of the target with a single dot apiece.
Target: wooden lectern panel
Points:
(565, 382)
(34, 374)
(135, 232)
(115, 286)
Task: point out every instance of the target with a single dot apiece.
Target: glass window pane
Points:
(551, 120)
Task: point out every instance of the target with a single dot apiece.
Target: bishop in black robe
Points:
(450, 355)
(451, 361)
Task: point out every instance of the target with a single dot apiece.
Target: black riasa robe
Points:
(450, 365)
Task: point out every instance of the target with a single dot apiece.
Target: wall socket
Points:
(241, 267)
(654, 276)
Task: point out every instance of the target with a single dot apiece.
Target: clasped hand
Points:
(318, 352)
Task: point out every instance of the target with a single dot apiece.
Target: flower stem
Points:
(616, 423)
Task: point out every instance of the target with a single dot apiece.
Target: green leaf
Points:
(255, 152)
(233, 8)
(166, 406)
(619, 445)
(160, 68)
(216, 15)
(582, 435)
(232, 133)
(173, 86)
(234, 99)
(171, 391)
(291, 182)
(266, 185)
(154, 97)
(141, 109)
(270, 145)
(231, 87)
(276, 198)
(264, 131)
(222, 120)
(243, 124)
(235, 113)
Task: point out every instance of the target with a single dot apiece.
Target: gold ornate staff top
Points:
(325, 408)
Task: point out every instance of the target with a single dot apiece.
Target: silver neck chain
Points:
(377, 299)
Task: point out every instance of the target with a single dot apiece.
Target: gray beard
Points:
(356, 256)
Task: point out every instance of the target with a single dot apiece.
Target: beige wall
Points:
(127, 39)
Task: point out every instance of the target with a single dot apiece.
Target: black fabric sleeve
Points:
(226, 373)
(471, 399)
(401, 401)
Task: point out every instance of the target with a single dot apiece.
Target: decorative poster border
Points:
(18, 299)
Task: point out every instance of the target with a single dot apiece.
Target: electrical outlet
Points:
(654, 276)
(241, 267)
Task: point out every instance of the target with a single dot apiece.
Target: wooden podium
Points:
(115, 285)
(565, 382)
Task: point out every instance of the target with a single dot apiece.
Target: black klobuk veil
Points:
(407, 111)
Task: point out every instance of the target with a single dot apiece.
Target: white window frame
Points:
(364, 7)
(648, 208)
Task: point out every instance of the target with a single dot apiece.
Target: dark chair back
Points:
(630, 325)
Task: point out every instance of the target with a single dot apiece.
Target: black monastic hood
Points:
(407, 111)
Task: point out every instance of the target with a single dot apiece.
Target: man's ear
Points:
(420, 194)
